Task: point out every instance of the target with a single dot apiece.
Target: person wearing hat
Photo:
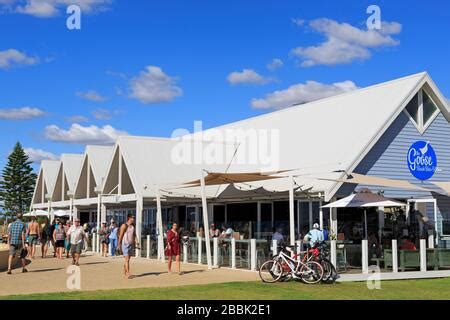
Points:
(314, 236)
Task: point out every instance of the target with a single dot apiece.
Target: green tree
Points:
(17, 183)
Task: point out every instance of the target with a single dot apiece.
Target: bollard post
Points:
(253, 254)
(215, 252)
(199, 240)
(394, 256)
(431, 241)
(233, 253)
(333, 253)
(93, 243)
(274, 247)
(148, 246)
(365, 256)
(423, 255)
(185, 252)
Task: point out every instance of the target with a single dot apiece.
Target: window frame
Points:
(421, 126)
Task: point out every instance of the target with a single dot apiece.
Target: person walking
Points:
(16, 242)
(52, 240)
(128, 242)
(46, 236)
(58, 237)
(113, 238)
(103, 233)
(33, 232)
(67, 240)
(173, 247)
(76, 236)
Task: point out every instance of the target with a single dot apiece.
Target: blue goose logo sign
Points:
(422, 161)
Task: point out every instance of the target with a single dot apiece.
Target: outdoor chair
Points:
(443, 258)
(341, 257)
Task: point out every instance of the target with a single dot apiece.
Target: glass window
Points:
(429, 108)
(413, 108)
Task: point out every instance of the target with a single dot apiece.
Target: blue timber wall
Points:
(388, 159)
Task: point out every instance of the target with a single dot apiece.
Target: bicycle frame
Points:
(295, 259)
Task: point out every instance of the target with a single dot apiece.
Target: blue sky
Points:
(149, 67)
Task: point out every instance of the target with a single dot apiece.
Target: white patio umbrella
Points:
(364, 199)
(61, 213)
(41, 213)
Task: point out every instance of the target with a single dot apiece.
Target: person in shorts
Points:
(128, 242)
(59, 236)
(76, 235)
(16, 241)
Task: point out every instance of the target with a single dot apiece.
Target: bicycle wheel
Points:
(329, 271)
(311, 272)
(270, 271)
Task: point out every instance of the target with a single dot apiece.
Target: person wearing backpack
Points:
(128, 242)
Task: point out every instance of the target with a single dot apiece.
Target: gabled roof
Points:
(336, 133)
(49, 169)
(46, 180)
(71, 164)
(151, 166)
(97, 158)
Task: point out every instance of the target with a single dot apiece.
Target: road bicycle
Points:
(287, 263)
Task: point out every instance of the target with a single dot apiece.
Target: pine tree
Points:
(17, 184)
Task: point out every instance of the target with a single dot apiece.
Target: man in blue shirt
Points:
(16, 241)
(314, 236)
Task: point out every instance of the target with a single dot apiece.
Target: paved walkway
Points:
(99, 273)
(395, 276)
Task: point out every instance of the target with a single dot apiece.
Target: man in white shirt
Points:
(76, 235)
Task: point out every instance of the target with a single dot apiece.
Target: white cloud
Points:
(298, 22)
(247, 76)
(275, 64)
(37, 155)
(91, 95)
(24, 113)
(152, 85)
(302, 93)
(51, 8)
(84, 135)
(104, 114)
(77, 118)
(345, 43)
(13, 57)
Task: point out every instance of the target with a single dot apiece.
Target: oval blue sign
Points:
(422, 161)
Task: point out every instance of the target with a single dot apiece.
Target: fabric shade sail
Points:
(365, 198)
(357, 178)
(443, 185)
(219, 178)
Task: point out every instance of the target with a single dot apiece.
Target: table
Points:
(378, 261)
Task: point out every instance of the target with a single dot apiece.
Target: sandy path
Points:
(99, 273)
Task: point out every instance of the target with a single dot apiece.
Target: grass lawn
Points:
(402, 289)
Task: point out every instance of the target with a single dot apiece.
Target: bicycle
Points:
(320, 253)
(284, 264)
